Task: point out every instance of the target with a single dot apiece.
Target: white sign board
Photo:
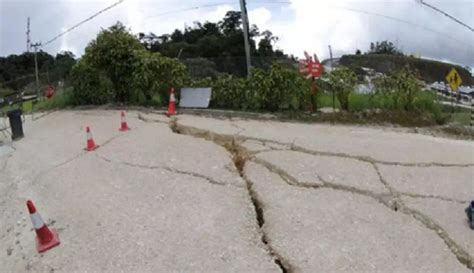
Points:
(195, 97)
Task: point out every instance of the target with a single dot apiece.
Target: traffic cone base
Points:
(123, 129)
(92, 148)
(42, 247)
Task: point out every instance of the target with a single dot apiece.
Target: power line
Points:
(445, 14)
(189, 9)
(82, 22)
(379, 15)
(402, 21)
(334, 7)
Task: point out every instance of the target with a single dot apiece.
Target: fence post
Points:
(472, 111)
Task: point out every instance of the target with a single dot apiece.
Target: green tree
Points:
(154, 74)
(63, 64)
(91, 86)
(221, 43)
(384, 47)
(113, 52)
(18, 71)
(123, 70)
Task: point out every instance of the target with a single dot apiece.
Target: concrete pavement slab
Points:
(153, 200)
(153, 117)
(448, 182)
(255, 146)
(59, 137)
(376, 143)
(450, 216)
(114, 217)
(155, 145)
(313, 169)
(323, 230)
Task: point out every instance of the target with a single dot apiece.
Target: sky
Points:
(301, 25)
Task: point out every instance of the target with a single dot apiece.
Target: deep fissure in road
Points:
(239, 158)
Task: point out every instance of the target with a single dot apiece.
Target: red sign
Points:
(311, 67)
(49, 92)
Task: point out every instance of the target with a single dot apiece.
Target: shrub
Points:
(58, 101)
(401, 87)
(228, 92)
(342, 82)
(116, 67)
(277, 88)
(113, 53)
(153, 75)
(90, 85)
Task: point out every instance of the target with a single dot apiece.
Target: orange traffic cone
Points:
(124, 125)
(90, 141)
(45, 238)
(172, 104)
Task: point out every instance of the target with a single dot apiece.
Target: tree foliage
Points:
(91, 86)
(153, 74)
(401, 87)
(113, 52)
(384, 47)
(128, 73)
(17, 71)
(221, 43)
(274, 89)
(342, 81)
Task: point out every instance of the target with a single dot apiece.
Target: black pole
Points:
(313, 94)
(333, 94)
(333, 101)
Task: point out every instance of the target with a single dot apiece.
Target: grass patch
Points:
(462, 118)
(58, 101)
(26, 107)
(325, 100)
(405, 119)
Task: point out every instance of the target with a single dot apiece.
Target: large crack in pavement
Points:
(71, 159)
(391, 201)
(376, 161)
(442, 198)
(169, 169)
(239, 157)
(148, 120)
(293, 147)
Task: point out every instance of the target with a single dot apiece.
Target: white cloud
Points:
(260, 17)
(348, 25)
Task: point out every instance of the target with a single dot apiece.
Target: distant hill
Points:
(430, 71)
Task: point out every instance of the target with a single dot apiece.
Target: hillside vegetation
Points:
(429, 71)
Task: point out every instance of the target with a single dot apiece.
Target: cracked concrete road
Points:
(197, 194)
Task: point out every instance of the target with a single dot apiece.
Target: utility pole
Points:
(28, 41)
(35, 46)
(245, 22)
(333, 94)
